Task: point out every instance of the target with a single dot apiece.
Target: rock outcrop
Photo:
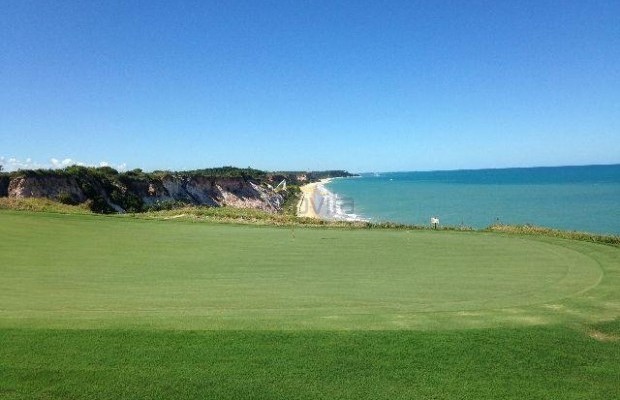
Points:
(52, 187)
(231, 192)
(137, 194)
(106, 190)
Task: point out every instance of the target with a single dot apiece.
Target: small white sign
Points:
(434, 221)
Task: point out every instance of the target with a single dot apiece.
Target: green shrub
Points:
(165, 205)
(66, 198)
(97, 204)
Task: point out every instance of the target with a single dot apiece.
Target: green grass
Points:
(41, 205)
(534, 363)
(114, 307)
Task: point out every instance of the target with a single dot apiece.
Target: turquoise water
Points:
(573, 198)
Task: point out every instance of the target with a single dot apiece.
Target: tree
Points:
(0, 167)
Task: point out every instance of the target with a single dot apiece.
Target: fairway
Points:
(115, 307)
(79, 271)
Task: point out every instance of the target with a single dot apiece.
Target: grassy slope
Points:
(41, 205)
(536, 363)
(345, 315)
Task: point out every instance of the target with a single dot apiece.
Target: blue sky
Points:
(360, 85)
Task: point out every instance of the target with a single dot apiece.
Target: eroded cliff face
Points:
(196, 190)
(51, 187)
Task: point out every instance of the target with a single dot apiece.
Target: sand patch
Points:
(602, 336)
(555, 307)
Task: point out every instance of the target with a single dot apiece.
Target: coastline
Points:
(580, 199)
(319, 203)
(308, 206)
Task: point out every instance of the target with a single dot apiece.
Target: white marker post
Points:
(434, 222)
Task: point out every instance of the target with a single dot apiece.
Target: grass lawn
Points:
(113, 307)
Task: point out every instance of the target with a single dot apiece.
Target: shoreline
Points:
(307, 207)
(319, 203)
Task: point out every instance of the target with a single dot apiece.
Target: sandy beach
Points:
(306, 206)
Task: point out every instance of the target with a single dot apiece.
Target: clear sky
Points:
(359, 85)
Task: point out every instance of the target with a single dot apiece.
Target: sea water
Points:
(585, 198)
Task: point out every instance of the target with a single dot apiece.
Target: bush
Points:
(66, 198)
(165, 205)
(98, 205)
(126, 200)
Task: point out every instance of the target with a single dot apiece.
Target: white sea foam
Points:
(333, 207)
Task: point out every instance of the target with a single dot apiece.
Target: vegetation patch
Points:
(42, 205)
(100, 307)
(541, 231)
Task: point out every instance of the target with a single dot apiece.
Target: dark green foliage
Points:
(227, 172)
(127, 200)
(291, 199)
(111, 174)
(165, 206)
(108, 171)
(66, 198)
(93, 191)
(293, 177)
(97, 204)
(34, 173)
(316, 175)
(134, 174)
(4, 185)
(89, 190)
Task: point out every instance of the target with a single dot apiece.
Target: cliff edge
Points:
(106, 190)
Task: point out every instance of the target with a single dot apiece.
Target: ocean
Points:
(583, 198)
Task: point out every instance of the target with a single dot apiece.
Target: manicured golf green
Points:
(117, 307)
(78, 271)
